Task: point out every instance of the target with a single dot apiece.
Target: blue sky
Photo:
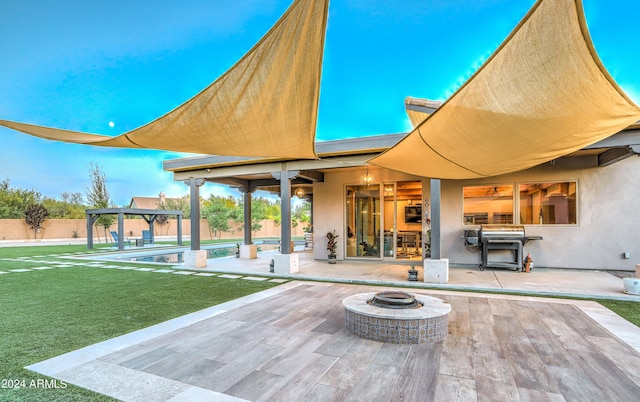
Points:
(79, 65)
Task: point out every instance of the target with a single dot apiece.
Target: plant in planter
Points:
(413, 273)
(332, 245)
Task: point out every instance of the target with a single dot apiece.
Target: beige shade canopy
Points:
(543, 94)
(265, 105)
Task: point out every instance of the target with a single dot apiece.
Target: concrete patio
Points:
(540, 281)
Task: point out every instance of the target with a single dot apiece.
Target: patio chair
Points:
(409, 240)
(146, 237)
(114, 235)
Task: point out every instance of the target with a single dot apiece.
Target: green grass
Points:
(48, 313)
(628, 310)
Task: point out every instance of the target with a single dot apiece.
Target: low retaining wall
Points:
(54, 229)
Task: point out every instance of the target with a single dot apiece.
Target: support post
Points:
(435, 219)
(436, 268)
(194, 186)
(285, 177)
(91, 220)
(179, 229)
(247, 216)
(120, 231)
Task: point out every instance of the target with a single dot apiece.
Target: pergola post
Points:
(91, 220)
(120, 231)
(179, 217)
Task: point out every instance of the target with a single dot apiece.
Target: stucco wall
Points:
(17, 229)
(608, 214)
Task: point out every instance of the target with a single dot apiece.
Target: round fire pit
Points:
(397, 317)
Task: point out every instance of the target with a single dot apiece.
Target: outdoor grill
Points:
(503, 238)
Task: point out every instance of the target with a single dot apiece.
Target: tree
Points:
(217, 211)
(301, 213)
(34, 216)
(182, 204)
(14, 201)
(70, 206)
(98, 196)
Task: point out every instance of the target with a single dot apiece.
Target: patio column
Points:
(436, 268)
(246, 191)
(194, 185)
(247, 250)
(285, 177)
(435, 219)
(286, 262)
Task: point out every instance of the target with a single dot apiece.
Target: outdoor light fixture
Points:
(300, 192)
(367, 179)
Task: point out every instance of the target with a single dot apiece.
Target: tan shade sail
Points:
(542, 95)
(265, 105)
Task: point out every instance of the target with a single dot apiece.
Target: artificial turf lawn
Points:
(51, 312)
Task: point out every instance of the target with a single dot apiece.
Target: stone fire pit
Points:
(397, 317)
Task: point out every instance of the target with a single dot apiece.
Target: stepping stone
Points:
(254, 278)
(2, 272)
(164, 271)
(204, 274)
(145, 269)
(42, 268)
(64, 266)
(276, 280)
(125, 268)
(230, 276)
(182, 273)
(19, 270)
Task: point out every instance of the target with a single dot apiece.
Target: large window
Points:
(548, 203)
(488, 204)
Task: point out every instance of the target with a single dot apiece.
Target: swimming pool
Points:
(175, 255)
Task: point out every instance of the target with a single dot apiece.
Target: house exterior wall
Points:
(607, 209)
(329, 204)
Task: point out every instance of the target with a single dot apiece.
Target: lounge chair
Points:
(147, 237)
(114, 235)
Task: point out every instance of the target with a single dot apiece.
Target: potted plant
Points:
(332, 245)
(413, 273)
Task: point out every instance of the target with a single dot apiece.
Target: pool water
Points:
(178, 257)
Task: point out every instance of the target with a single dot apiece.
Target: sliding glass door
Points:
(363, 221)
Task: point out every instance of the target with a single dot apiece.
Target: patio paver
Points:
(289, 343)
